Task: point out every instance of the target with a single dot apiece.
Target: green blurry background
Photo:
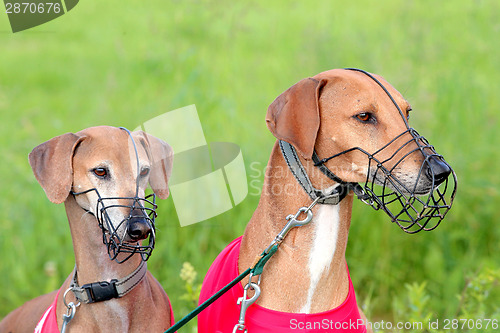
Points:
(120, 64)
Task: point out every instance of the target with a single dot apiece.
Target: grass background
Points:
(123, 64)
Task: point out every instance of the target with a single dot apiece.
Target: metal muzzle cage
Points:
(420, 204)
(417, 202)
(143, 209)
(116, 236)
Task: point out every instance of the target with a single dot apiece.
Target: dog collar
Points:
(332, 198)
(104, 290)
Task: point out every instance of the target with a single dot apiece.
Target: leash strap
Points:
(207, 303)
(300, 174)
(104, 290)
(255, 270)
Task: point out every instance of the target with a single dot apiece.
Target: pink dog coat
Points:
(222, 316)
(48, 322)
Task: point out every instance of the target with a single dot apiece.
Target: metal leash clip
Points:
(68, 316)
(70, 313)
(245, 303)
(293, 221)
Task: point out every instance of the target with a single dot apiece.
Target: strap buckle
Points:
(101, 291)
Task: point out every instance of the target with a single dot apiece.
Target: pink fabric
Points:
(222, 316)
(48, 322)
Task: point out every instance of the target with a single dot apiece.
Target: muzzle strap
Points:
(357, 189)
(327, 172)
(104, 290)
(297, 169)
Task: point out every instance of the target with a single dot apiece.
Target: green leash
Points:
(205, 304)
(255, 270)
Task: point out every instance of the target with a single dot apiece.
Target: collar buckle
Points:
(101, 291)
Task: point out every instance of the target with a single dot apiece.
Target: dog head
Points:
(358, 124)
(338, 110)
(109, 173)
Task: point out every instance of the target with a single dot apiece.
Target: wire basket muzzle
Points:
(412, 183)
(116, 236)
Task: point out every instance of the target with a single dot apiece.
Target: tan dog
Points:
(330, 113)
(327, 114)
(102, 158)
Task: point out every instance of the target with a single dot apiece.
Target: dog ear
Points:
(162, 158)
(52, 164)
(294, 115)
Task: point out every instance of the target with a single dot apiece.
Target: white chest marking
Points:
(326, 224)
(119, 314)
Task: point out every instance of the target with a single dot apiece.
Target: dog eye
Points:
(365, 117)
(100, 172)
(144, 172)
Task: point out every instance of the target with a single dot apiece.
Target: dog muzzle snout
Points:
(139, 236)
(437, 170)
(416, 201)
(138, 226)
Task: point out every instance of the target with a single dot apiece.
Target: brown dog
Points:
(94, 172)
(329, 113)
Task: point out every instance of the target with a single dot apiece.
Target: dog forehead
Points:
(108, 143)
(356, 83)
(98, 132)
(352, 76)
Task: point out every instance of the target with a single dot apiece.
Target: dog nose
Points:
(438, 170)
(138, 228)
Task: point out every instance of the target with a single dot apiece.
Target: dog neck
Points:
(308, 274)
(93, 265)
(91, 255)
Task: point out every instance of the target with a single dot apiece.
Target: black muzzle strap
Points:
(357, 189)
(105, 290)
(297, 169)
